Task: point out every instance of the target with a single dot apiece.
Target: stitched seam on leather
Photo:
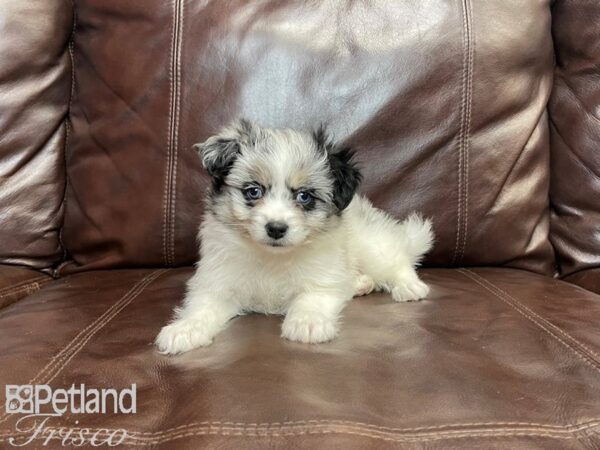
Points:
(550, 324)
(334, 430)
(166, 197)
(27, 289)
(23, 284)
(463, 138)
(173, 135)
(299, 424)
(460, 154)
(462, 135)
(176, 128)
(67, 122)
(467, 137)
(376, 433)
(567, 432)
(139, 288)
(578, 348)
(63, 357)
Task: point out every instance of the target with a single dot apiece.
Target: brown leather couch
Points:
(484, 115)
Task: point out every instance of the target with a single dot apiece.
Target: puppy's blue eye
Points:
(303, 197)
(253, 193)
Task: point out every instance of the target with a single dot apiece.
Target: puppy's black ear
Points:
(218, 155)
(219, 152)
(346, 175)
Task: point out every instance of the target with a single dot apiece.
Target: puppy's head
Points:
(278, 187)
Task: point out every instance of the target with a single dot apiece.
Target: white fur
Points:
(309, 281)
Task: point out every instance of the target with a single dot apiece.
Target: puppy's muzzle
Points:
(276, 230)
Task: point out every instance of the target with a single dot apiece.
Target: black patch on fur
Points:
(217, 184)
(215, 192)
(345, 173)
(219, 153)
(218, 156)
(347, 177)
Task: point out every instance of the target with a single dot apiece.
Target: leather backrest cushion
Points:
(35, 86)
(575, 123)
(444, 101)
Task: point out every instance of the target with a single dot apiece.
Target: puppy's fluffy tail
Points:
(419, 236)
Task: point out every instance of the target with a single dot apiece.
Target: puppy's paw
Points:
(410, 290)
(364, 285)
(183, 335)
(309, 327)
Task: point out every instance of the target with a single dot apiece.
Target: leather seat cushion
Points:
(574, 110)
(17, 282)
(495, 358)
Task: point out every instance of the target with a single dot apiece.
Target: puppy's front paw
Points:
(182, 336)
(410, 290)
(308, 327)
(364, 285)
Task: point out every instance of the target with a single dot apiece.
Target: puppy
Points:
(285, 233)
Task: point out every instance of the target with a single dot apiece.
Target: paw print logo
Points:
(19, 399)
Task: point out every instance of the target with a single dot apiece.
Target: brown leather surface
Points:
(35, 82)
(446, 109)
(445, 102)
(495, 358)
(575, 122)
(588, 279)
(18, 282)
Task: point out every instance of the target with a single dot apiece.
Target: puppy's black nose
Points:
(276, 230)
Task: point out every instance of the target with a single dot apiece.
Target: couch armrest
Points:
(588, 279)
(18, 282)
(575, 133)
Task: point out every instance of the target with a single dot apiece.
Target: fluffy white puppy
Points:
(285, 233)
